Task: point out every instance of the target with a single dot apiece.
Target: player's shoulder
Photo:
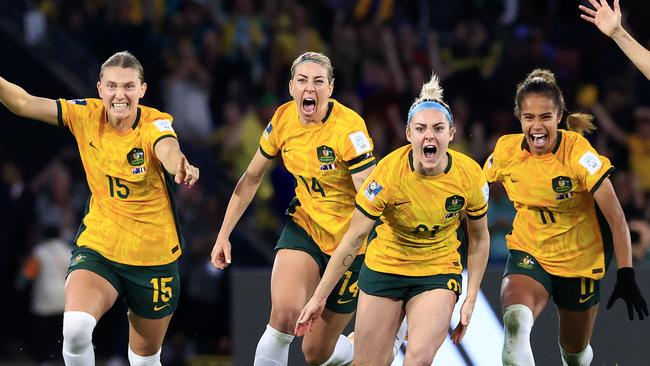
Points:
(508, 145)
(345, 116)
(149, 117)
(463, 161)
(396, 159)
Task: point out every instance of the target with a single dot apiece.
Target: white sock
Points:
(137, 360)
(582, 358)
(273, 348)
(343, 353)
(77, 338)
(518, 321)
(399, 339)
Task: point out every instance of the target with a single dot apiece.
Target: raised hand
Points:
(607, 20)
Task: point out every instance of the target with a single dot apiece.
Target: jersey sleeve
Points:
(491, 168)
(161, 128)
(478, 195)
(357, 148)
(590, 167)
(269, 146)
(71, 113)
(374, 194)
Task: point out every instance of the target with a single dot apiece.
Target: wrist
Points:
(625, 274)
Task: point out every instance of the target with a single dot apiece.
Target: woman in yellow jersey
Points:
(413, 266)
(608, 21)
(326, 147)
(561, 241)
(129, 239)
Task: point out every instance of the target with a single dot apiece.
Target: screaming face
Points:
(539, 120)
(121, 89)
(429, 134)
(311, 90)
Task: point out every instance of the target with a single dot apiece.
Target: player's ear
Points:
(143, 90)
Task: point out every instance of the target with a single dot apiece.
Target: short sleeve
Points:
(590, 167)
(269, 146)
(478, 195)
(357, 150)
(374, 194)
(161, 128)
(71, 112)
(492, 167)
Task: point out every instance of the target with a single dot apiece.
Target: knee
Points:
(314, 355)
(420, 356)
(517, 320)
(284, 317)
(78, 329)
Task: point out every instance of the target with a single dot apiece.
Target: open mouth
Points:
(308, 105)
(120, 106)
(538, 139)
(430, 151)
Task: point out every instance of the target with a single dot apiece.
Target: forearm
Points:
(639, 56)
(239, 201)
(622, 242)
(340, 261)
(478, 252)
(13, 97)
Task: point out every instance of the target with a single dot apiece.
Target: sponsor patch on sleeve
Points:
(267, 130)
(360, 142)
(77, 101)
(591, 162)
(372, 190)
(163, 125)
(486, 192)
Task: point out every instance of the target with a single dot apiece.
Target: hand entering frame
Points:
(627, 289)
(309, 313)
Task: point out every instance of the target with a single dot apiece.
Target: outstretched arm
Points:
(242, 196)
(608, 21)
(168, 151)
(338, 264)
(23, 104)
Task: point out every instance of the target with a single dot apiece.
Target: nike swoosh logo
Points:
(401, 203)
(341, 301)
(92, 145)
(286, 150)
(158, 308)
(583, 300)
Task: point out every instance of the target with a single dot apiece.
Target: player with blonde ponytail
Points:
(412, 266)
(559, 246)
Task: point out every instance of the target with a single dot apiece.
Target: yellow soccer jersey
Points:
(420, 214)
(130, 216)
(321, 158)
(556, 217)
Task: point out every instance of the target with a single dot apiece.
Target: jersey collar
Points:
(330, 106)
(447, 169)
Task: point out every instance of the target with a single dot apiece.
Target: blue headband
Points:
(429, 104)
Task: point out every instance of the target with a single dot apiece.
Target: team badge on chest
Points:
(562, 184)
(325, 154)
(454, 203)
(135, 157)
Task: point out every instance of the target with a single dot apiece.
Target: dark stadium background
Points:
(221, 67)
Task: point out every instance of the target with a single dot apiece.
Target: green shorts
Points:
(406, 287)
(343, 299)
(571, 293)
(149, 291)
